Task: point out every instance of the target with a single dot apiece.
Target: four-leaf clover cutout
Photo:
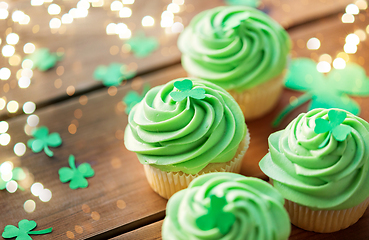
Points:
(325, 91)
(76, 176)
(23, 231)
(43, 59)
(42, 140)
(186, 91)
(132, 98)
(333, 126)
(216, 217)
(113, 75)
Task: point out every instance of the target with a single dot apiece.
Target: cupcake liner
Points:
(259, 100)
(168, 183)
(324, 221)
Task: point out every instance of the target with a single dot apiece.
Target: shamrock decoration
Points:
(17, 174)
(132, 98)
(186, 91)
(113, 75)
(333, 126)
(250, 3)
(24, 230)
(325, 91)
(142, 46)
(216, 217)
(43, 59)
(42, 140)
(76, 176)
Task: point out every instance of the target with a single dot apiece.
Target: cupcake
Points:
(184, 129)
(240, 49)
(319, 164)
(226, 206)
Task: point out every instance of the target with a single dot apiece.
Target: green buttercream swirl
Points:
(333, 177)
(256, 205)
(235, 47)
(187, 135)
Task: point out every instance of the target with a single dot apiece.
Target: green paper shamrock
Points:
(142, 46)
(186, 91)
(43, 59)
(132, 98)
(325, 91)
(76, 176)
(24, 230)
(17, 175)
(42, 140)
(216, 217)
(333, 126)
(113, 75)
(250, 3)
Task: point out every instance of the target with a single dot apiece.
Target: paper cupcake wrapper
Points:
(259, 100)
(168, 183)
(324, 221)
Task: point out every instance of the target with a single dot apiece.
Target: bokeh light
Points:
(313, 44)
(352, 9)
(4, 126)
(323, 67)
(55, 23)
(12, 106)
(29, 206)
(45, 195)
(348, 18)
(125, 12)
(12, 38)
(19, 149)
(29, 107)
(37, 188)
(148, 21)
(5, 73)
(4, 139)
(8, 51)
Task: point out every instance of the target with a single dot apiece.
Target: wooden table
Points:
(119, 203)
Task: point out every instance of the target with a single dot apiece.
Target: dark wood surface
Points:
(119, 203)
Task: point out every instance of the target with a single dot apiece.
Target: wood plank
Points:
(86, 44)
(356, 231)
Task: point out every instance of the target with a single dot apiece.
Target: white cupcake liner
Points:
(168, 183)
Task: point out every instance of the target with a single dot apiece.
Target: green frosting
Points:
(256, 207)
(306, 169)
(185, 135)
(235, 47)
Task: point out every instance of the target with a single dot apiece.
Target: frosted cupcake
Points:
(319, 164)
(240, 49)
(183, 129)
(226, 206)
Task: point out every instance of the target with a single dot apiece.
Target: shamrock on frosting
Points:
(42, 140)
(132, 98)
(76, 176)
(113, 75)
(325, 91)
(333, 126)
(186, 91)
(216, 217)
(142, 46)
(43, 59)
(16, 174)
(23, 231)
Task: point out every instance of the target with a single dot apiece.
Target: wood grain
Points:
(86, 44)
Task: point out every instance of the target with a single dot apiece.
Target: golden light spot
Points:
(70, 235)
(70, 90)
(29, 206)
(344, 56)
(361, 4)
(348, 18)
(83, 100)
(77, 66)
(114, 50)
(121, 204)
(60, 70)
(27, 63)
(126, 48)
(325, 57)
(85, 208)
(58, 83)
(2, 103)
(132, 66)
(120, 108)
(72, 129)
(361, 34)
(137, 83)
(78, 229)
(112, 91)
(119, 134)
(15, 60)
(75, 122)
(116, 163)
(6, 87)
(36, 28)
(95, 216)
(78, 113)
(12, 106)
